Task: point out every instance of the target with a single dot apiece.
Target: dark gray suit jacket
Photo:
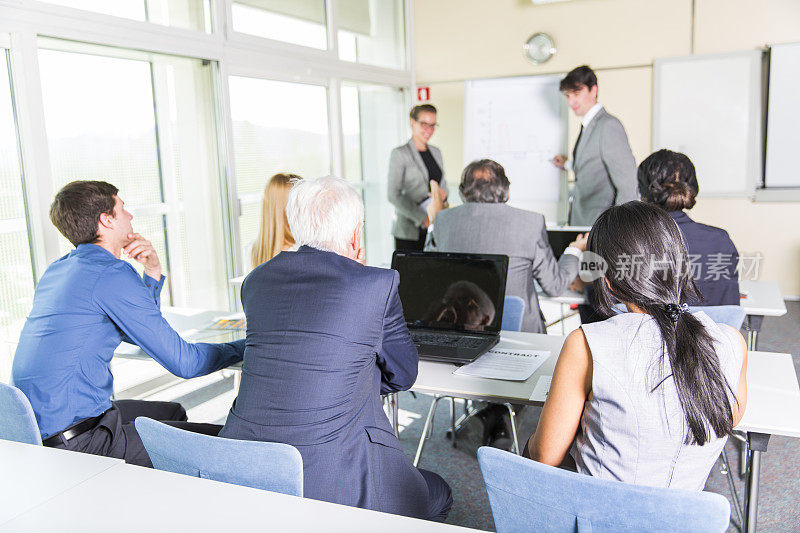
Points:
(605, 170)
(408, 186)
(325, 337)
(522, 236)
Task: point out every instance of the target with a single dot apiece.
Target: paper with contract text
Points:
(511, 365)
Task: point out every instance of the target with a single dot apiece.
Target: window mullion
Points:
(34, 149)
(335, 127)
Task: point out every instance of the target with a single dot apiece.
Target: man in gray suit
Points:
(485, 224)
(412, 168)
(605, 170)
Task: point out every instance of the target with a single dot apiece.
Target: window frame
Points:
(235, 54)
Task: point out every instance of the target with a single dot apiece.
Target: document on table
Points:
(511, 365)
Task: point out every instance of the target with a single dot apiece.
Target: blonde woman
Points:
(274, 235)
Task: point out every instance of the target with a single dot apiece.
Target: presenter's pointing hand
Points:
(559, 161)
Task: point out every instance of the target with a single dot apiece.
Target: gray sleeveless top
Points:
(628, 433)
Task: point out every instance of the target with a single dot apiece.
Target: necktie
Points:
(575, 149)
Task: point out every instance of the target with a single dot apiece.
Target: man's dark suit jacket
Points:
(713, 256)
(325, 337)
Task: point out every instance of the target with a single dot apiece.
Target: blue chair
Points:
(269, 466)
(513, 309)
(528, 496)
(732, 315)
(17, 423)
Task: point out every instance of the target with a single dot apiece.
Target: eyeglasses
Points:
(427, 125)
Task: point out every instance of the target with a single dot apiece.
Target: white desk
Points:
(31, 475)
(773, 398)
(762, 298)
(438, 378)
(131, 498)
(773, 403)
(773, 408)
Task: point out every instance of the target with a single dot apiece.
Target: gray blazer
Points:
(522, 236)
(408, 186)
(605, 170)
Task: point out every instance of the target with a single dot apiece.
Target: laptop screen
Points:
(561, 237)
(456, 292)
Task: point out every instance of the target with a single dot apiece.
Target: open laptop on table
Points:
(453, 303)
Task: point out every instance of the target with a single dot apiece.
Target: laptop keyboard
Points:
(439, 339)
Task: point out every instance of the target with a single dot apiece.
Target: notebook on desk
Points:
(453, 303)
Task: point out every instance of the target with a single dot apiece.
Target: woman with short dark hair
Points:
(668, 180)
(648, 396)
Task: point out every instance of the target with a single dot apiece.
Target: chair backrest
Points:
(269, 466)
(732, 315)
(528, 496)
(513, 309)
(17, 423)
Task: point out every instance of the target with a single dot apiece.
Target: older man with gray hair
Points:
(326, 337)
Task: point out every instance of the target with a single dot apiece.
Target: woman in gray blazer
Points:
(411, 169)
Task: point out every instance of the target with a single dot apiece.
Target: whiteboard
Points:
(521, 123)
(709, 107)
(783, 124)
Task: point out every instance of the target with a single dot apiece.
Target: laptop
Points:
(453, 303)
(561, 236)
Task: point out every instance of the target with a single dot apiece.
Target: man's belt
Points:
(62, 437)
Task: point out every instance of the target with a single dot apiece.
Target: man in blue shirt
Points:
(86, 303)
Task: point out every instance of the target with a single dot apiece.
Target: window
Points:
(293, 21)
(187, 14)
(145, 123)
(372, 32)
(277, 127)
(16, 268)
(373, 123)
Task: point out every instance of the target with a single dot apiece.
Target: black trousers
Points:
(116, 436)
(403, 245)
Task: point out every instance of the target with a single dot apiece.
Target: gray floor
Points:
(208, 399)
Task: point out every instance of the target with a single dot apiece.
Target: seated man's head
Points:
(668, 180)
(484, 181)
(326, 214)
(91, 212)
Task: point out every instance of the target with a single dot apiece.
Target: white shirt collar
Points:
(587, 118)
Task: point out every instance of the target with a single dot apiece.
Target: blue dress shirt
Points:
(86, 303)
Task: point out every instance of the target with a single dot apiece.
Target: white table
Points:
(761, 298)
(32, 475)
(131, 498)
(438, 378)
(773, 398)
(773, 408)
(773, 403)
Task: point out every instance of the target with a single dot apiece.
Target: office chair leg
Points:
(426, 429)
(512, 417)
(727, 467)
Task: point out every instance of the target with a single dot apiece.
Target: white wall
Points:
(457, 40)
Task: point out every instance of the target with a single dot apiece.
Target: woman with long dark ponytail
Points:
(648, 396)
